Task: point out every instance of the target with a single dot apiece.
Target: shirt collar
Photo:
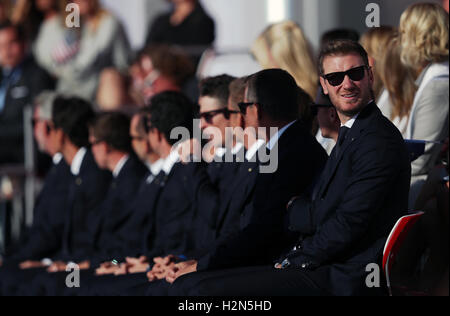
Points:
(220, 152)
(251, 152)
(170, 161)
(77, 161)
(120, 165)
(237, 148)
(57, 158)
(273, 141)
(352, 121)
(155, 168)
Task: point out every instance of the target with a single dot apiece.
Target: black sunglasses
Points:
(244, 105)
(137, 138)
(48, 126)
(208, 116)
(355, 74)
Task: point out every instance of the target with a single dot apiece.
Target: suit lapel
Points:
(352, 136)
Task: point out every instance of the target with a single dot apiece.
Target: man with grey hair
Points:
(48, 218)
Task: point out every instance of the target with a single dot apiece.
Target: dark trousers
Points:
(250, 281)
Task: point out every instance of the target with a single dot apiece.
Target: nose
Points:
(348, 83)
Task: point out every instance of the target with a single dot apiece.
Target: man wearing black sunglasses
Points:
(214, 114)
(347, 79)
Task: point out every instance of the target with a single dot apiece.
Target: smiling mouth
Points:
(350, 95)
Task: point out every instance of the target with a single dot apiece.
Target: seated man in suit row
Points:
(86, 189)
(48, 217)
(218, 208)
(140, 143)
(271, 100)
(363, 191)
(111, 145)
(212, 184)
(128, 236)
(171, 207)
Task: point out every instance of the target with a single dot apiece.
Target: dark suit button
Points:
(78, 181)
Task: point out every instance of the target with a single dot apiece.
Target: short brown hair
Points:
(339, 48)
(114, 129)
(237, 92)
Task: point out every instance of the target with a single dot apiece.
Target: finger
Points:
(158, 260)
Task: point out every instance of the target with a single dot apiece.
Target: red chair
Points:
(395, 241)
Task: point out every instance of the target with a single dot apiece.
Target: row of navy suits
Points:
(244, 213)
(362, 193)
(222, 215)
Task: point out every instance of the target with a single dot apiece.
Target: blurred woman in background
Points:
(76, 56)
(284, 45)
(399, 83)
(375, 42)
(425, 49)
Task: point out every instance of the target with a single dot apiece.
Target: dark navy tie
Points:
(342, 135)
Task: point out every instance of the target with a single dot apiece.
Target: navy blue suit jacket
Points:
(362, 193)
(49, 212)
(86, 193)
(262, 236)
(169, 232)
(115, 209)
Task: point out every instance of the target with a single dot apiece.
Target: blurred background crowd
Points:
(125, 52)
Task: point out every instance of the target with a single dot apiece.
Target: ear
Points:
(108, 148)
(257, 111)
(148, 149)
(371, 76)
(324, 86)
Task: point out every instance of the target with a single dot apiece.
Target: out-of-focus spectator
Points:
(78, 55)
(399, 83)
(375, 43)
(25, 13)
(187, 25)
(425, 48)
(112, 92)
(21, 80)
(30, 14)
(328, 121)
(445, 5)
(160, 68)
(284, 45)
(5, 10)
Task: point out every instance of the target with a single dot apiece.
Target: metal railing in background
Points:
(30, 165)
(18, 190)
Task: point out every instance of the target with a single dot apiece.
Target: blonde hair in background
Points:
(283, 45)
(398, 79)
(375, 42)
(424, 35)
